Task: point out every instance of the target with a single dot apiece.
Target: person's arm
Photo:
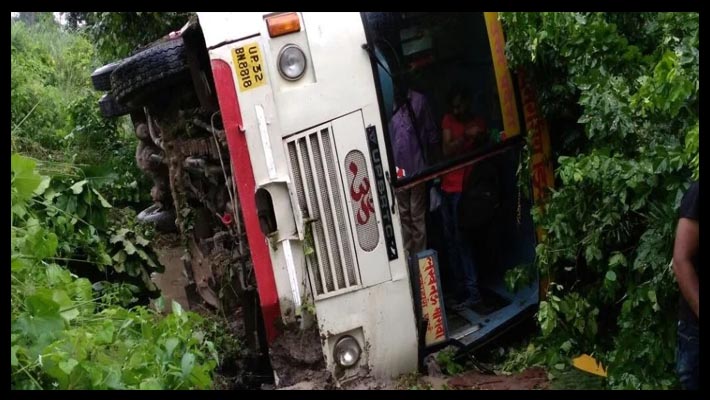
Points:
(685, 249)
(450, 146)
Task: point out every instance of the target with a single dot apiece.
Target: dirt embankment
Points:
(298, 362)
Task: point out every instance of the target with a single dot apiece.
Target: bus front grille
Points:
(318, 186)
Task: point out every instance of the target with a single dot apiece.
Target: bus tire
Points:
(162, 219)
(110, 108)
(150, 72)
(101, 77)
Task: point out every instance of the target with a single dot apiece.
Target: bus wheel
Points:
(157, 73)
(110, 108)
(101, 77)
(162, 219)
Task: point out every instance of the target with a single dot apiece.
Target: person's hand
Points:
(472, 131)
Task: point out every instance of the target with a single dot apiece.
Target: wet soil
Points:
(533, 378)
(298, 362)
(172, 281)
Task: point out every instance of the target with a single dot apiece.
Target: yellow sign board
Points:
(506, 91)
(249, 66)
(430, 293)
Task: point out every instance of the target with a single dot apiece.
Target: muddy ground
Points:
(235, 372)
(533, 378)
(172, 281)
(298, 361)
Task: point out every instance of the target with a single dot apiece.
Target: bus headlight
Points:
(292, 62)
(347, 352)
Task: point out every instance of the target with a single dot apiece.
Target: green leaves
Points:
(101, 198)
(67, 334)
(131, 250)
(620, 91)
(41, 304)
(170, 345)
(78, 187)
(67, 309)
(105, 334)
(617, 259)
(40, 243)
(691, 150)
(654, 300)
(187, 363)
(519, 277)
(68, 366)
(115, 348)
(24, 179)
(669, 88)
(13, 356)
(177, 308)
(50, 67)
(547, 317)
(446, 359)
(118, 33)
(151, 384)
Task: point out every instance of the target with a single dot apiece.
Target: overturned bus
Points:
(366, 163)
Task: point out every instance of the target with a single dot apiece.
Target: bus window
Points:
(437, 89)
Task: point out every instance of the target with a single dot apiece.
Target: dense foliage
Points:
(118, 34)
(69, 332)
(80, 265)
(54, 111)
(621, 94)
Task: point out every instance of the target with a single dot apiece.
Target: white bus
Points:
(357, 144)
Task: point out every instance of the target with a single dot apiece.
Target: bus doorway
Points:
(455, 159)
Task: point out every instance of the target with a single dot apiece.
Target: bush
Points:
(55, 115)
(68, 333)
(621, 94)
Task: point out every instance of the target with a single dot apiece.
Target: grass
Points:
(576, 380)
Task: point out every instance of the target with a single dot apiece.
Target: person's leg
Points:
(405, 217)
(448, 221)
(688, 355)
(483, 245)
(465, 259)
(418, 217)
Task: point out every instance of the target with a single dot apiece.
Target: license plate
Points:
(248, 64)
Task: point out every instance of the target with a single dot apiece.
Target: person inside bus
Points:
(412, 132)
(461, 132)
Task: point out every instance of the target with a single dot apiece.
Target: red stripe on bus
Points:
(244, 181)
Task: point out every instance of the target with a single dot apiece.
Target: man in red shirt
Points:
(461, 130)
